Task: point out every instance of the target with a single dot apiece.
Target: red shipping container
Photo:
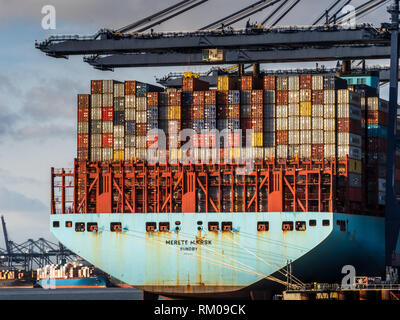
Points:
(83, 101)
(210, 97)
(107, 140)
(257, 124)
(83, 115)
(141, 129)
(152, 99)
(198, 97)
(83, 141)
(193, 84)
(317, 97)
(305, 81)
(83, 154)
(197, 140)
(130, 87)
(257, 111)
(197, 112)
(96, 86)
(174, 98)
(269, 82)
(250, 83)
(317, 151)
(281, 137)
(377, 117)
(355, 194)
(281, 97)
(107, 114)
(349, 125)
(257, 96)
(232, 140)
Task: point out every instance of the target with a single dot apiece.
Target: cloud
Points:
(17, 202)
(7, 177)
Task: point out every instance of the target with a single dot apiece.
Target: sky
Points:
(38, 93)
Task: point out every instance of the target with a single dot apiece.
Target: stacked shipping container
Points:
(296, 118)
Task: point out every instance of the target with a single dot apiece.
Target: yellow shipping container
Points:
(305, 108)
(355, 166)
(257, 139)
(119, 155)
(174, 154)
(174, 112)
(227, 83)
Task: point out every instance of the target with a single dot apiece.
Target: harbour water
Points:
(71, 294)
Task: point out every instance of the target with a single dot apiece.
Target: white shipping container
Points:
(348, 97)
(293, 151)
(95, 154)
(348, 111)
(130, 115)
(95, 140)
(282, 151)
(305, 151)
(108, 86)
(293, 137)
(317, 82)
(119, 131)
(141, 117)
(107, 154)
(282, 83)
(96, 114)
(294, 82)
(294, 97)
(281, 111)
(329, 137)
(329, 96)
(329, 151)
(119, 143)
(258, 153)
(141, 153)
(130, 101)
(83, 127)
(96, 100)
(281, 123)
(329, 111)
(269, 152)
(294, 109)
(346, 138)
(317, 123)
(108, 100)
(119, 90)
(350, 151)
(305, 95)
(317, 136)
(317, 110)
(141, 103)
(329, 124)
(294, 123)
(107, 127)
(305, 123)
(305, 137)
(140, 142)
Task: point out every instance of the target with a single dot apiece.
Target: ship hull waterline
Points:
(190, 261)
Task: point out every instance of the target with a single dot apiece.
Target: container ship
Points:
(197, 192)
(70, 275)
(13, 278)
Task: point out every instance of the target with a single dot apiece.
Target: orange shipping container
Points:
(83, 140)
(96, 86)
(107, 141)
(193, 84)
(210, 97)
(269, 82)
(305, 81)
(83, 115)
(83, 101)
(130, 87)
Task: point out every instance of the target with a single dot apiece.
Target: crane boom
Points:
(3, 223)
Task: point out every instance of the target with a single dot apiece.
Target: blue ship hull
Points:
(91, 282)
(198, 263)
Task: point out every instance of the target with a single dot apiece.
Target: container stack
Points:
(83, 127)
(130, 120)
(282, 139)
(269, 108)
(96, 120)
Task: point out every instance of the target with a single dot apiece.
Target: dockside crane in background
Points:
(214, 45)
(32, 254)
